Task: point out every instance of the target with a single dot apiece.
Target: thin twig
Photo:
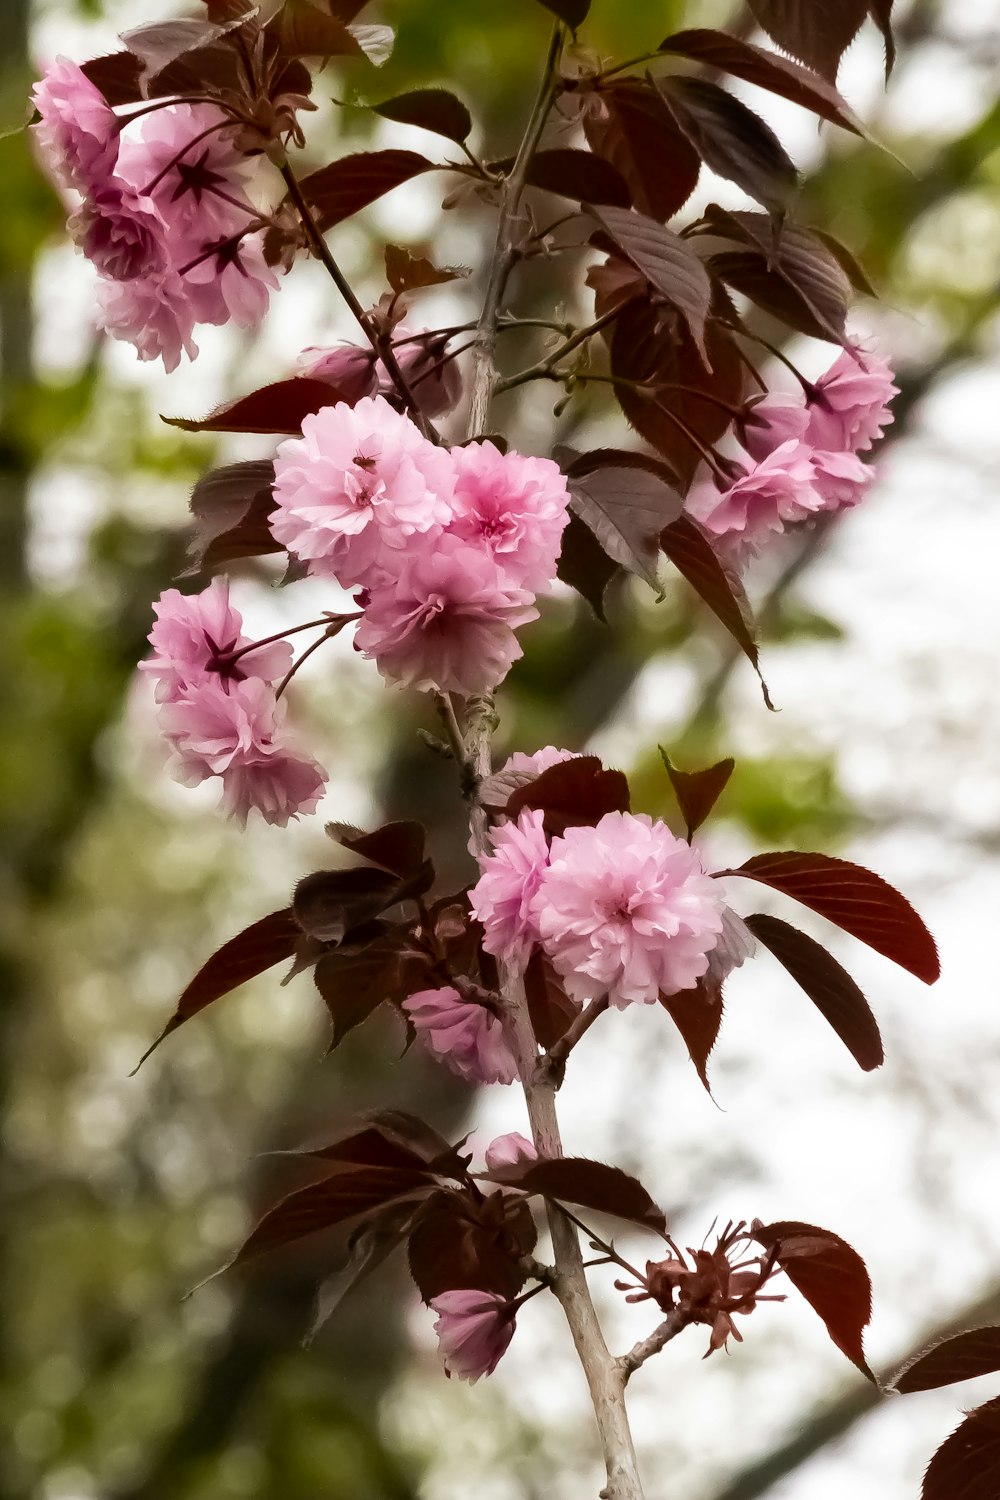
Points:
(555, 1060)
(545, 367)
(674, 1323)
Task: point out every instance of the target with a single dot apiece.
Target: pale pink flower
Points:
(625, 909)
(121, 233)
(514, 507)
(850, 407)
(528, 767)
(77, 136)
(234, 731)
(840, 479)
(467, 1037)
(185, 158)
(778, 490)
(194, 638)
(348, 367)
(772, 420)
(153, 313)
(509, 881)
(509, 1151)
(445, 621)
(474, 1329)
(359, 482)
(233, 282)
(437, 387)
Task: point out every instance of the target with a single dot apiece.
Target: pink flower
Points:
(509, 1151)
(772, 420)
(626, 909)
(474, 1329)
(77, 136)
(850, 407)
(840, 479)
(153, 313)
(446, 621)
(121, 233)
(437, 387)
(184, 157)
(465, 1036)
(764, 498)
(234, 282)
(192, 638)
(507, 886)
(359, 482)
(514, 507)
(233, 731)
(347, 366)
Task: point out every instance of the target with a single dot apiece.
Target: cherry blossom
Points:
(474, 1329)
(445, 621)
(515, 507)
(121, 234)
(849, 406)
(194, 639)
(359, 482)
(77, 136)
(509, 1151)
(466, 1036)
(778, 489)
(184, 158)
(348, 367)
(510, 878)
(626, 909)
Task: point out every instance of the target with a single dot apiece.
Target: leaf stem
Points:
(545, 368)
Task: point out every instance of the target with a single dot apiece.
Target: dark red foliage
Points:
(964, 1356)
(279, 408)
(572, 794)
(697, 1014)
(967, 1465)
(587, 1184)
(697, 792)
(830, 1276)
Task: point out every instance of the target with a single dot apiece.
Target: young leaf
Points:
(330, 903)
(118, 76)
(881, 13)
(628, 125)
(572, 13)
(964, 1356)
(258, 947)
(788, 271)
(332, 1201)
(281, 407)
(828, 985)
(231, 507)
(584, 565)
(373, 1146)
(346, 186)
(459, 1241)
(367, 1247)
(831, 1277)
(398, 847)
(697, 792)
(590, 1184)
(692, 555)
(162, 43)
(731, 140)
(408, 273)
(358, 977)
(768, 70)
(626, 509)
(551, 1010)
(304, 31)
(431, 109)
(667, 262)
(967, 1464)
(574, 793)
(817, 35)
(697, 1014)
(579, 174)
(854, 899)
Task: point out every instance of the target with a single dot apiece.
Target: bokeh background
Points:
(120, 1193)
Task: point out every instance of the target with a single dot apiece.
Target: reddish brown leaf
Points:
(330, 903)
(967, 1465)
(118, 76)
(574, 793)
(589, 1184)
(231, 507)
(461, 1241)
(346, 186)
(731, 140)
(768, 70)
(328, 1203)
(398, 847)
(964, 1356)
(789, 271)
(281, 407)
(357, 978)
(258, 947)
(302, 30)
(831, 1277)
(626, 508)
(572, 13)
(697, 1014)
(580, 175)
(828, 985)
(856, 900)
(408, 273)
(551, 1010)
(584, 564)
(371, 1147)
(628, 125)
(430, 109)
(668, 263)
(697, 792)
(817, 34)
(848, 262)
(691, 553)
(369, 1244)
(881, 13)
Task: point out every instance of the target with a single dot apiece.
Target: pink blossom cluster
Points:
(466, 1034)
(448, 546)
(218, 708)
(162, 213)
(623, 909)
(801, 456)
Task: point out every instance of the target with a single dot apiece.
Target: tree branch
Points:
(673, 1324)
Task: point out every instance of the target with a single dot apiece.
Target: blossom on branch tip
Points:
(194, 639)
(509, 1151)
(77, 135)
(359, 483)
(509, 881)
(849, 406)
(445, 621)
(625, 909)
(467, 1037)
(514, 507)
(121, 234)
(184, 158)
(474, 1329)
(776, 490)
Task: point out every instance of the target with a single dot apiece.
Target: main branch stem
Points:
(605, 1375)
